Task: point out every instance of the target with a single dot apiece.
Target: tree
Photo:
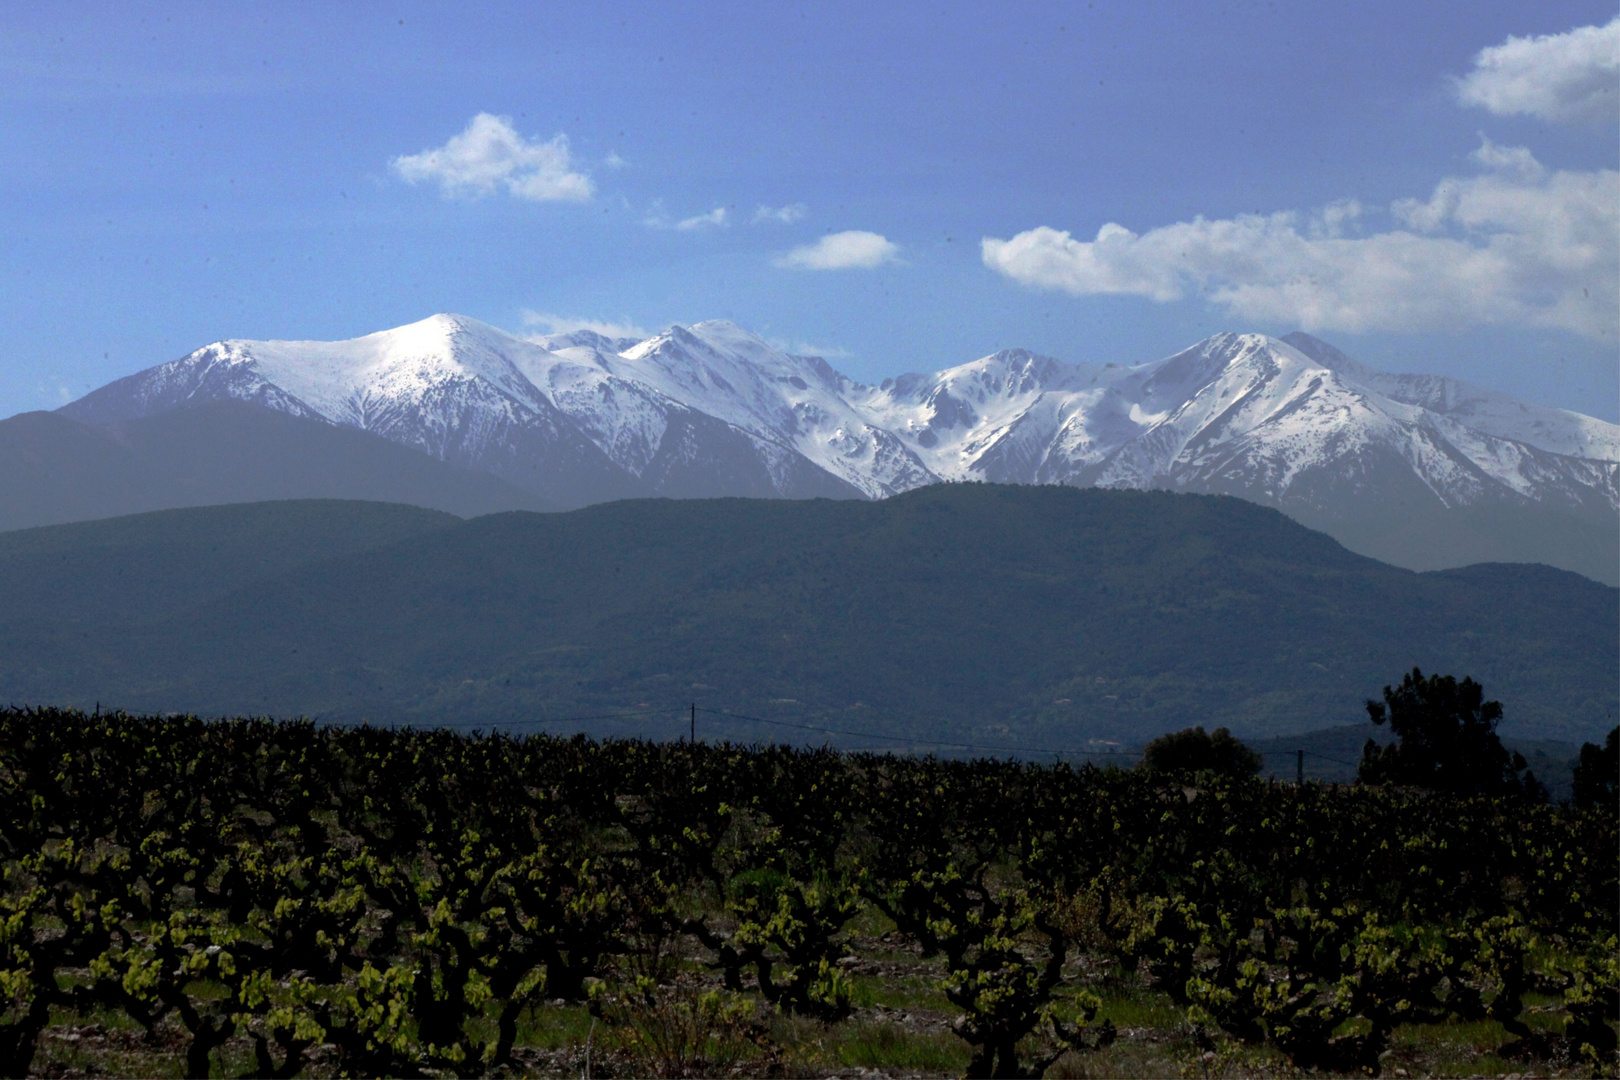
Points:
(1191, 750)
(1597, 776)
(1447, 741)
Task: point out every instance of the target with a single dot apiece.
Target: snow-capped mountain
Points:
(446, 386)
(1416, 469)
(795, 411)
(1277, 420)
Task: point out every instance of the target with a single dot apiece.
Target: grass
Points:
(900, 1027)
(1131, 1006)
(915, 991)
(557, 1025)
(895, 1048)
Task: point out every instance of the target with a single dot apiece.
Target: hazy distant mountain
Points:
(1421, 471)
(1002, 615)
(56, 469)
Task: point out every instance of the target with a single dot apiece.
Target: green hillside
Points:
(147, 567)
(1004, 616)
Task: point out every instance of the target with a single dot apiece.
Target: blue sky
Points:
(901, 187)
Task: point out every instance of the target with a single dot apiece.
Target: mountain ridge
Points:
(712, 410)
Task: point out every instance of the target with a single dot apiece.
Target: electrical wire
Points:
(1336, 761)
(924, 742)
(499, 724)
(660, 713)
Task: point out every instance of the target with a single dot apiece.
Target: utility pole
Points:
(694, 723)
(1299, 768)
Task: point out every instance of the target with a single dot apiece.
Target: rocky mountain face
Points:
(1421, 471)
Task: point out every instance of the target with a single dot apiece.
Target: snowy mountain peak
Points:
(1015, 371)
(1184, 374)
(443, 326)
(675, 336)
(726, 335)
(355, 381)
(436, 335)
(588, 339)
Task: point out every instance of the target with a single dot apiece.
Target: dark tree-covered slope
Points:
(145, 568)
(1031, 616)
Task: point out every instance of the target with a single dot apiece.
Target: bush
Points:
(684, 1030)
(1192, 751)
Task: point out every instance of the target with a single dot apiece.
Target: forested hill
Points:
(1001, 615)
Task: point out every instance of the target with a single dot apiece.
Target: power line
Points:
(692, 710)
(1311, 753)
(492, 725)
(925, 742)
(1336, 761)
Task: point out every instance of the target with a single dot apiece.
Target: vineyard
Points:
(280, 899)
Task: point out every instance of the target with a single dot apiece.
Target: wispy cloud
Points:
(549, 324)
(1516, 244)
(786, 215)
(1566, 78)
(491, 154)
(714, 219)
(658, 217)
(55, 389)
(796, 347)
(850, 250)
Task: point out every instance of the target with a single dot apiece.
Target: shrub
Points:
(1192, 751)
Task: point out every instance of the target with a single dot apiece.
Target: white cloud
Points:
(795, 347)
(614, 161)
(787, 215)
(58, 389)
(713, 219)
(564, 324)
(1517, 244)
(1570, 77)
(491, 154)
(658, 218)
(851, 250)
